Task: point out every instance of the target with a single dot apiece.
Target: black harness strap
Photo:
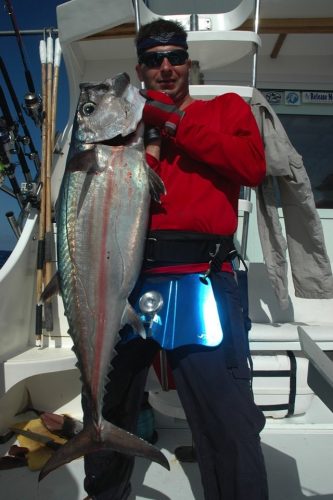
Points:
(185, 247)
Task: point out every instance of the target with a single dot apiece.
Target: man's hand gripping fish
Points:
(102, 219)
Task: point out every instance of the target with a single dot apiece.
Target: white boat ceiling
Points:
(296, 40)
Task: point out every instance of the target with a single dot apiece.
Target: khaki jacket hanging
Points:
(310, 266)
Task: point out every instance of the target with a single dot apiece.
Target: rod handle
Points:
(42, 51)
(57, 53)
(49, 50)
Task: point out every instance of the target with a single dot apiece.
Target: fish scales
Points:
(108, 251)
(102, 221)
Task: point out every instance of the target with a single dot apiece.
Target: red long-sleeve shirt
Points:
(216, 150)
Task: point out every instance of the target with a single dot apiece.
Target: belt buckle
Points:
(151, 241)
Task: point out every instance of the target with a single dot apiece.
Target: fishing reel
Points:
(34, 108)
(30, 192)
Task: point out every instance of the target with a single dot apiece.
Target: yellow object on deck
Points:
(39, 453)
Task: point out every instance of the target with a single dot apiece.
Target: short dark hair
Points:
(160, 32)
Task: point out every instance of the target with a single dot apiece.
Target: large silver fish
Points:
(102, 220)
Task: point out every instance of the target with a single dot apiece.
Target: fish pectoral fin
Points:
(104, 437)
(84, 191)
(84, 161)
(156, 185)
(131, 318)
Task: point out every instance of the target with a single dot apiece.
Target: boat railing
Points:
(193, 20)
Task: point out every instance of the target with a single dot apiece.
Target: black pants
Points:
(214, 387)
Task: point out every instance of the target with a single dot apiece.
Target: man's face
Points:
(173, 80)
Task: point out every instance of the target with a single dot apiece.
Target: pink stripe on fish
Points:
(102, 286)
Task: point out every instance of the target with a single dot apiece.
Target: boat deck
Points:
(292, 449)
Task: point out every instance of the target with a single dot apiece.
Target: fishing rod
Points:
(6, 189)
(6, 111)
(8, 169)
(9, 124)
(55, 84)
(48, 235)
(41, 222)
(9, 144)
(26, 139)
(28, 76)
(33, 103)
(50, 55)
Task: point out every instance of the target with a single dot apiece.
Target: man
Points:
(203, 151)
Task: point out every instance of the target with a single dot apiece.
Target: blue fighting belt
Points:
(178, 310)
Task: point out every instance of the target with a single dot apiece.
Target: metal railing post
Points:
(247, 190)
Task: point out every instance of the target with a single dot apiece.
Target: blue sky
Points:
(32, 14)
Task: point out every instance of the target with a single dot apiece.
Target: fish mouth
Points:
(118, 140)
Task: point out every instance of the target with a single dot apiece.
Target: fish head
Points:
(108, 110)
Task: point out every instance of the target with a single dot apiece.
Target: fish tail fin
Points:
(76, 447)
(125, 442)
(106, 436)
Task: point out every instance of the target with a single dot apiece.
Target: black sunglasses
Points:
(155, 59)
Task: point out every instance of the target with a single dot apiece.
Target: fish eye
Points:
(88, 108)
